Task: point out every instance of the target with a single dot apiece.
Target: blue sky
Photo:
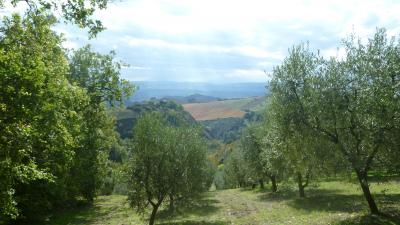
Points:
(225, 40)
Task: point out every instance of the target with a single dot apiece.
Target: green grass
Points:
(107, 210)
(338, 203)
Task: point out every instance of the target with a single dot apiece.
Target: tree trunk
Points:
(261, 183)
(301, 186)
(171, 204)
(154, 212)
(273, 182)
(362, 178)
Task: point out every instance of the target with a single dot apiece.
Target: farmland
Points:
(235, 108)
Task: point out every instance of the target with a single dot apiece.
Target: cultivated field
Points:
(224, 109)
(334, 202)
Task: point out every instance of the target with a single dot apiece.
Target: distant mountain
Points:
(196, 98)
(148, 90)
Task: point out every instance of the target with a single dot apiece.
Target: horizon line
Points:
(206, 82)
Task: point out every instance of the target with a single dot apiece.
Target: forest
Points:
(324, 147)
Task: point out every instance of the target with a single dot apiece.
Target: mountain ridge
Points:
(148, 90)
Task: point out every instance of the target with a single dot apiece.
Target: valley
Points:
(199, 112)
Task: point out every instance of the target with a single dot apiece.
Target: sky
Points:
(226, 40)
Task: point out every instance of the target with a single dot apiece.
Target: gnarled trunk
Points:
(301, 185)
(171, 204)
(261, 183)
(154, 211)
(273, 183)
(362, 178)
(153, 215)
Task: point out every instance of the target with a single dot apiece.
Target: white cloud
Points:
(250, 75)
(255, 52)
(140, 68)
(233, 39)
(249, 51)
(209, 15)
(257, 32)
(334, 52)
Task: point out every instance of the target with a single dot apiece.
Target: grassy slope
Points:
(330, 203)
(225, 108)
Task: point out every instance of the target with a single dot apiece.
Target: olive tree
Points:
(166, 161)
(252, 150)
(235, 170)
(272, 156)
(352, 102)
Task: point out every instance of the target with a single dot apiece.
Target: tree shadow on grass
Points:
(332, 203)
(202, 206)
(387, 218)
(283, 193)
(80, 215)
(248, 189)
(190, 222)
(336, 201)
(84, 214)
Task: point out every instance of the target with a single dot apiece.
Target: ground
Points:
(338, 203)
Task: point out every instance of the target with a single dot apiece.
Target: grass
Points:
(107, 210)
(333, 202)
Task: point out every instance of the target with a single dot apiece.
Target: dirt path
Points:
(239, 205)
(235, 204)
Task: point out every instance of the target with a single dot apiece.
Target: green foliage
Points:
(252, 152)
(352, 102)
(234, 172)
(166, 161)
(99, 75)
(272, 155)
(171, 111)
(229, 129)
(78, 12)
(38, 111)
(55, 134)
(226, 129)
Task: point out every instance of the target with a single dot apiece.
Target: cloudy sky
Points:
(225, 40)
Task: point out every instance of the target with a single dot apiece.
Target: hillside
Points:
(127, 118)
(222, 120)
(232, 108)
(229, 129)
